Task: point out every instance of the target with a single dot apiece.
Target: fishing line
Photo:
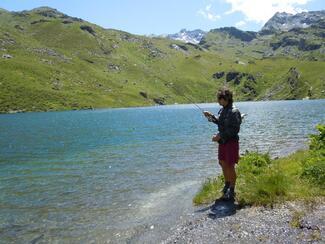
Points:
(189, 99)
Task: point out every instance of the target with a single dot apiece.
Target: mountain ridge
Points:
(52, 61)
(285, 21)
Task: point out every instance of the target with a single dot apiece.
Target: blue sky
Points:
(169, 16)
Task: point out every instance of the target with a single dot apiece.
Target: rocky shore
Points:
(292, 222)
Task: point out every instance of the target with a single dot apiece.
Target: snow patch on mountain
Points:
(184, 35)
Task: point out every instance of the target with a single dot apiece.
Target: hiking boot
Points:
(229, 195)
(224, 190)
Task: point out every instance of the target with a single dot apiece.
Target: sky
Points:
(147, 17)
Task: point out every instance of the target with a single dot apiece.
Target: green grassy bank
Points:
(264, 181)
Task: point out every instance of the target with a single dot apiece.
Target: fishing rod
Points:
(191, 101)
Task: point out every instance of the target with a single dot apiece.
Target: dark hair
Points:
(225, 94)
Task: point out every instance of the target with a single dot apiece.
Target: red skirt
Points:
(229, 152)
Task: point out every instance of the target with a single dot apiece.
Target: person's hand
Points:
(216, 137)
(208, 115)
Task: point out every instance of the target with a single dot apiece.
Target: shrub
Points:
(266, 186)
(314, 166)
(254, 163)
(317, 142)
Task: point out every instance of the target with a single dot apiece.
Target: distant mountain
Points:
(236, 33)
(281, 22)
(52, 61)
(184, 35)
(299, 36)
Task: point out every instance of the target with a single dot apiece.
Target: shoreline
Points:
(23, 111)
(290, 222)
(279, 201)
(180, 232)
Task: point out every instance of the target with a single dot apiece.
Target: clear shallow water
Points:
(124, 174)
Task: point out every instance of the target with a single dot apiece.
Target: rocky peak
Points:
(44, 8)
(184, 35)
(284, 22)
(47, 12)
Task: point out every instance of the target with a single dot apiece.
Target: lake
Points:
(118, 175)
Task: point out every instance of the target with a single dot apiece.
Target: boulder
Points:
(236, 77)
(67, 22)
(7, 56)
(232, 75)
(88, 28)
(144, 94)
(159, 100)
(218, 75)
(39, 21)
(178, 47)
(57, 84)
(113, 67)
(251, 77)
(18, 27)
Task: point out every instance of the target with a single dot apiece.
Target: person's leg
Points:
(225, 172)
(229, 193)
(229, 189)
(232, 175)
(230, 158)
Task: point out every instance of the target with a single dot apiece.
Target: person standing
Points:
(228, 121)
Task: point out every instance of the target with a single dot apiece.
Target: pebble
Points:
(253, 225)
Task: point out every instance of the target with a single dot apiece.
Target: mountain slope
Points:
(51, 61)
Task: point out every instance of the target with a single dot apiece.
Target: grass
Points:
(296, 219)
(264, 181)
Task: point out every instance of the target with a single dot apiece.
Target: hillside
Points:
(51, 61)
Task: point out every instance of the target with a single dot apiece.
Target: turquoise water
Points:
(124, 174)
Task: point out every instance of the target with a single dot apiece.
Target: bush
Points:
(314, 166)
(254, 163)
(260, 180)
(317, 142)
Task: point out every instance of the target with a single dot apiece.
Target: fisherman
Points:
(228, 121)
